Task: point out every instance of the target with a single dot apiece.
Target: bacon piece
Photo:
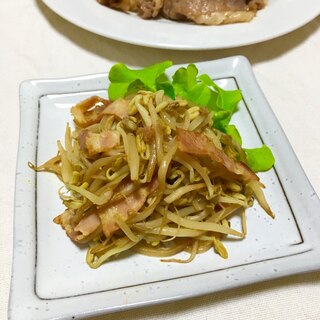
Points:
(119, 108)
(89, 111)
(199, 144)
(95, 143)
(126, 207)
(65, 220)
(86, 229)
(82, 139)
(88, 225)
(148, 133)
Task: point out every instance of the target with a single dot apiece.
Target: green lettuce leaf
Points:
(124, 81)
(260, 159)
(225, 105)
(187, 86)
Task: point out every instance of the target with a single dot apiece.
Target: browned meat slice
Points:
(146, 9)
(149, 8)
(209, 12)
(124, 5)
(212, 12)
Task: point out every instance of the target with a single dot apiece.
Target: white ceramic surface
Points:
(278, 18)
(50, 277)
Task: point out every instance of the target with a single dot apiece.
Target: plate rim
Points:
(30, 93)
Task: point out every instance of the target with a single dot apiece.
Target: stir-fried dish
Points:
(151, 173)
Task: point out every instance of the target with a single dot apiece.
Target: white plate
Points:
(278, 18)
(50, 277)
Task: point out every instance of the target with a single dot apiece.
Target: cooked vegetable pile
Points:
(157, 168)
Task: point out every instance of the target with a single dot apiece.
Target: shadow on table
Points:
(142, 56)
(224, 300)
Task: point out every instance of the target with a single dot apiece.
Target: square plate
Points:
(50, 276)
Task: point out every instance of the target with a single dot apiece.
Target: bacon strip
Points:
(91, 110)
(88, 225)
(95, 143)
(199, 144)
(119, 108)
(85, 230)
(126, 207)
(148, 133)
